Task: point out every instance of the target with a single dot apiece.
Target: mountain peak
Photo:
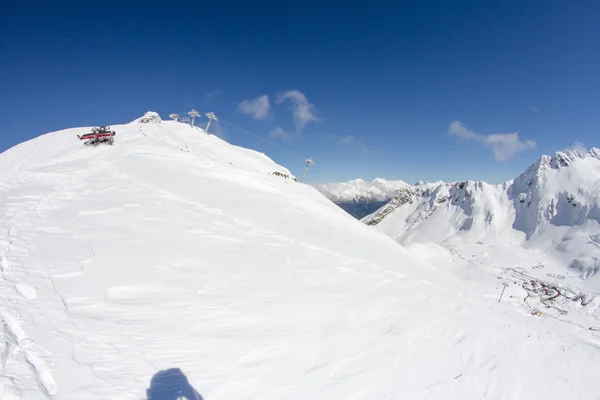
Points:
(149, 117)
(554, 205)
(565, 158)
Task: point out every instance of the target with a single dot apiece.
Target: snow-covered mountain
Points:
(553, 207)
(359, 189)
(359, 197)
(173, 260)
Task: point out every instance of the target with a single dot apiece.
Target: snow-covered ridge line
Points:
(358, 190)
(361, 190)
(535, 171)
(56, 147)
(359, 197)
(553, 206)
(564, 158)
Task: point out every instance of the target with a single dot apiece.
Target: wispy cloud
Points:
(458, 129)
(578, 146)
(347, 140)
(212, 94)
(278, 133)
(504, 145)
(257, 108)
(303, 111)
(351, 141)
(533, 109)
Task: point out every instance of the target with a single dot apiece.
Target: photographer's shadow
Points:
(171, 384)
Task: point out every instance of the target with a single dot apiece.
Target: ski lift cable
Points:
(264, 139)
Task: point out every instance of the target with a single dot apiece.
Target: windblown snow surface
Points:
(174, 249)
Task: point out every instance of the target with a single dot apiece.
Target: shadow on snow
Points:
(171, 384)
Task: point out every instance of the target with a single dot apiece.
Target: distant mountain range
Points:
(359, 197)
(553, 207)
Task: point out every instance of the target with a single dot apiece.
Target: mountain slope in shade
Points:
(175, 251)
(553, 207)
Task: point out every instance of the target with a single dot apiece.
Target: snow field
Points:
(173, 249)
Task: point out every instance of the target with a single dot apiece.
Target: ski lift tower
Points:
(309, 162)
(174, 117)
(210, 115)
(193, 114)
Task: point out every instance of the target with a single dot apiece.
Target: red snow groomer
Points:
(99, 134)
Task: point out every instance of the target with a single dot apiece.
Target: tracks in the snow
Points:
(24, 365)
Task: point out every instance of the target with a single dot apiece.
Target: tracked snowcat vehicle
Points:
(99, 134)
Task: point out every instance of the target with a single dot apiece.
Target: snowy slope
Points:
(174, 249)
(553, 208)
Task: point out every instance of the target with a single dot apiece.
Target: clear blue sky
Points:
(385, 79)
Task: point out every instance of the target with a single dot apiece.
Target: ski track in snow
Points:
(127, 277)
(19, 350)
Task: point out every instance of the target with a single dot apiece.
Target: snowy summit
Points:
(553, 206)
(172, 255)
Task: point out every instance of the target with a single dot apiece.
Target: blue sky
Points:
(399, 90)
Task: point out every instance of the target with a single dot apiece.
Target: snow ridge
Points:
(555, 203)
(149, 117)
(360, 190)
(360, 198)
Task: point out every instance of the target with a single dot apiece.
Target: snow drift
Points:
(174, 258)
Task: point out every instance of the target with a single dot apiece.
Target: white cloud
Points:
(303, 112)
(534, 109)
(457, 128)
(212, 94)
(578, 146)
(278, 133)
(258, 108)
(346, 140)
(351, 141)
(504, 145)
